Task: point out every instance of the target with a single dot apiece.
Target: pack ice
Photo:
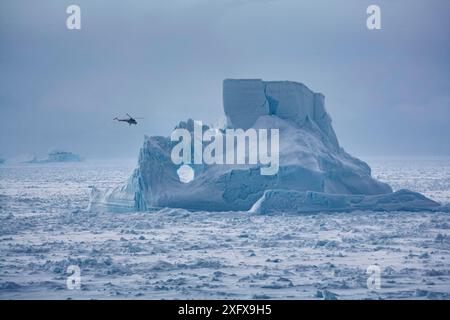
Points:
(315, 173)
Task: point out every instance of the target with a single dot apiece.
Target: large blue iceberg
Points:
(315, 173)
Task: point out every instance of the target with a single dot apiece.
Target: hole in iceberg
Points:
(185, 173)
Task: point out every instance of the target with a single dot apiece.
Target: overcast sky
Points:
(387, 91)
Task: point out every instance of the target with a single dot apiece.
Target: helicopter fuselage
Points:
(129, 121)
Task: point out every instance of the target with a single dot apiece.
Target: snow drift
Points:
(312, 164)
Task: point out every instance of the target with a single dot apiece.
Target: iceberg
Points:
(57, 156)
(315, 173)
(2, 161)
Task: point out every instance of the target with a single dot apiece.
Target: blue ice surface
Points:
(288, 201)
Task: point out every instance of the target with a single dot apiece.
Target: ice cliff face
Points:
(311, 160)
(245, 100)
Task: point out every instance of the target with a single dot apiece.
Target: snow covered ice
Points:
(174, 253)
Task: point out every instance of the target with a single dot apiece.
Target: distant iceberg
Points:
(2, 161)
(57, 156)
(315, 173)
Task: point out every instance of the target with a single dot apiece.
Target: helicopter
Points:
(130, 120)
